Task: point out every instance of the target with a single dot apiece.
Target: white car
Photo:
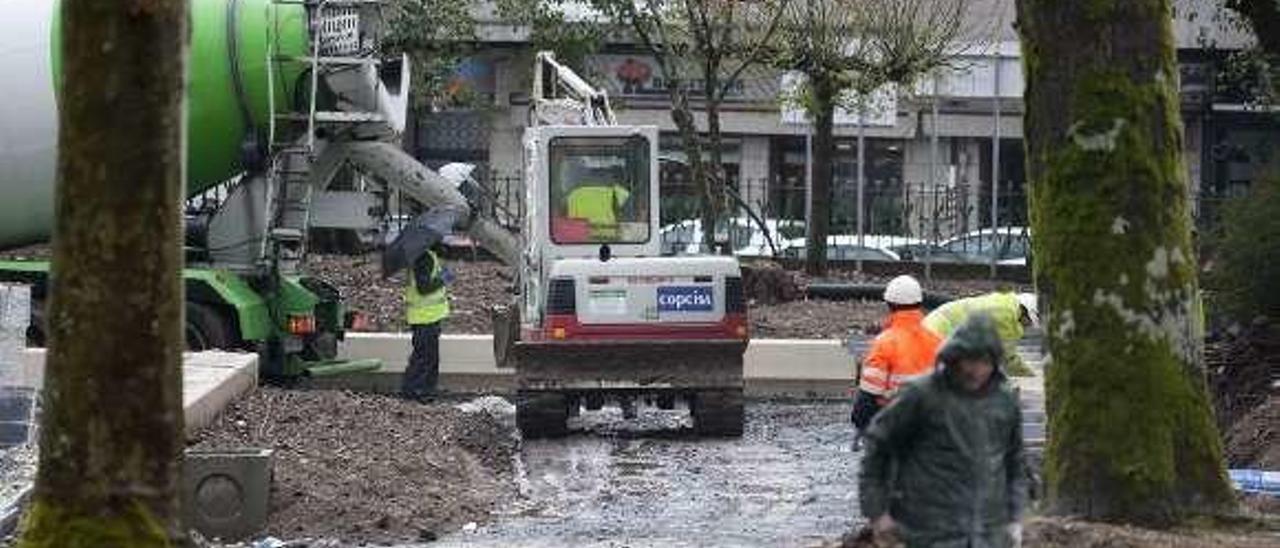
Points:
(1010, 245)
(845, 247)
(685, 237)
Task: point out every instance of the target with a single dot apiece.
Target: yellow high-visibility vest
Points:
(597, 204)
(430, 308)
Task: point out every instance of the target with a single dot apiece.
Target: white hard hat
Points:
(456, 172)
(903, 290)
(1031, 305)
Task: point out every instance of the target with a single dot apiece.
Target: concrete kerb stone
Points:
(210, 381)
(772, 367)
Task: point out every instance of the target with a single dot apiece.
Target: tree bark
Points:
(818, 225)
(1132, 433)
(686, 125)
(714, 188)
(112, 426)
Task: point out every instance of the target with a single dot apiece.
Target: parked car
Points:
(1007, 244)
(756, 245)
(843, 247)
(685, 237)
(923, 251)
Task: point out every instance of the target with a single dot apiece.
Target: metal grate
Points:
(735, 301)
(340, 32)
(560, 297)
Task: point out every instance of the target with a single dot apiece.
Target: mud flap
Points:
(506, 333)
(718, 412)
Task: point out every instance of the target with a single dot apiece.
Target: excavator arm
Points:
(581, 103)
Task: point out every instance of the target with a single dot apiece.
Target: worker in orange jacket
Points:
(903, 352)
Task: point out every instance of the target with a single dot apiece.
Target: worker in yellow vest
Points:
(426, 306)
(1012, 312)
(599, 205)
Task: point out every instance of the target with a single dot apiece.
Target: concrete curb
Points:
(794, 359)
(210, 381)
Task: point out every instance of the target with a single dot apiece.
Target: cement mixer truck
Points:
(284, 96)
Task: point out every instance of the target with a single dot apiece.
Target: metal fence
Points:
(909, 221)
(900, 221)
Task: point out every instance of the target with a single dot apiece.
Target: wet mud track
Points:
(789, 481)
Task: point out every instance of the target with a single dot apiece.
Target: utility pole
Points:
(995, 162)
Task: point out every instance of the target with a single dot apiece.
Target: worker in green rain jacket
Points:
(945, 466)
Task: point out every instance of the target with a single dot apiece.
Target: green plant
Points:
(1246, 277)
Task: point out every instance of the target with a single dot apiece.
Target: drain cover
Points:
(225, 492)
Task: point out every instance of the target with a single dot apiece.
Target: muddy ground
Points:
(790, 481)
(1041, 532)
(365, 468)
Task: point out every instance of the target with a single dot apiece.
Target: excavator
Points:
(601, 316)
(289, 100)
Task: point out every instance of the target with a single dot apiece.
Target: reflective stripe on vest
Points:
(430, 308)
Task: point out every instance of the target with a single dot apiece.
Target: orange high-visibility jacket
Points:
(903, 352)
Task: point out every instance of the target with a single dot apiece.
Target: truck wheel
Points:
(206, 329)
(541, 414)
(717, 412)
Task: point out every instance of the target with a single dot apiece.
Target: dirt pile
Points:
(364, 468)
(1063, 533)
(1244, 372)
(767, 283)
(815, 319)
(477, 286)
(776, 296)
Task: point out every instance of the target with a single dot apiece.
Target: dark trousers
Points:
(423, 373)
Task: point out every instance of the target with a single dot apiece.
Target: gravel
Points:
(366, 468)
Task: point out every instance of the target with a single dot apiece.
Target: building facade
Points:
(939, 158)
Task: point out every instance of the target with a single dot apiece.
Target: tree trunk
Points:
(682, 116)
(1132, 433)
(714, 189)
(823, 114)
(112, 425)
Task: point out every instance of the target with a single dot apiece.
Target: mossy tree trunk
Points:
(112, 426)
(1132, 436)
(823, 91)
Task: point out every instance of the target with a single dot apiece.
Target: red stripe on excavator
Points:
(568, 328)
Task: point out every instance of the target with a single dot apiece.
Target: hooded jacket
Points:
(945, 463)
